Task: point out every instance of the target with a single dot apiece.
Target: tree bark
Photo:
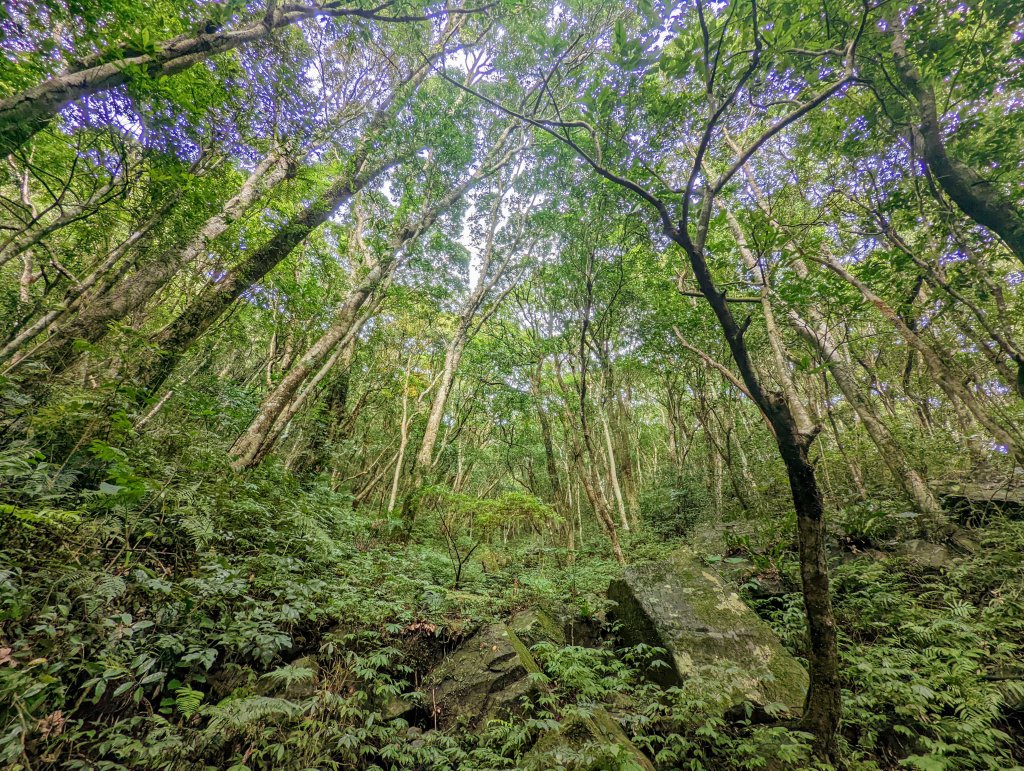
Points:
(31, 236)
(330, 424)
(25, 114)
(452, 359)
(550, 461)
(586, 463)
(613, 475)
(94, 320)
(817, 333)
(824, 706)
(95, 284)
(975, 196)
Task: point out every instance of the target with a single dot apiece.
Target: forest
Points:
(511, 384)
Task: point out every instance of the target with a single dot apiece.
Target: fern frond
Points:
(95, 588)
(187, 701)
(236, 715)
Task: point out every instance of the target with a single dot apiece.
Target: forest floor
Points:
(168, 621)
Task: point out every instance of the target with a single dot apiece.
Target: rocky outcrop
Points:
(487, 676)
(686, 608)
(974, 501)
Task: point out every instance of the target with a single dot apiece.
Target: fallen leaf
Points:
(51, 725)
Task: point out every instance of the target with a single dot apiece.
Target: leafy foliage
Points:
(354, 329)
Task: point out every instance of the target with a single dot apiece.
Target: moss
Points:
(527, 659)
(487, 675)
(534, 626)
(585, 744)
(688, 609)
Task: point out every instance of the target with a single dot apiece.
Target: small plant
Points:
(674, 507)
(464, 523)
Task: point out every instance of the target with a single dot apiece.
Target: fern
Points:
(95, 588)
(237, 715)
(199, 528)
(187, 701)
(285, 679)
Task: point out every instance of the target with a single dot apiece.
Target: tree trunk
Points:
(976, 197)
(824, 702)
(775, 341)
(550, 461)
(403, 441)
(452, 358)
(1003, 339)
(179, 335)
(586, 463)
(329, 426)
(940, 370)
(467, 325)
(25, 114)
(628, 471)
(613, 475)
(892, 454)
(175, 339)
(817, 333)
(256, 441)
(600, 509)
(95, 284)
(30, 236)
(93, 322)
(856, 474)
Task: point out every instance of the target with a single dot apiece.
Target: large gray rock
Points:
(974, 500)
(926, 554)
(488, 675)
(688, 609)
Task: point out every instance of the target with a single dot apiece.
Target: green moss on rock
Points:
(593, 743)
(486, 677)
(686, 608)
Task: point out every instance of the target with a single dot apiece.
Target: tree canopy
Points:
(332, 327)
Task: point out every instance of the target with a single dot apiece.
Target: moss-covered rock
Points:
(976, 501)
(926, 554)
(688, 609)
(487, 676)
(593, 743)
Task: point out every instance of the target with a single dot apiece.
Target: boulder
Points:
(487, 676)
(688, 609)
(586, 630)
(591, 743)
(964, 542)
(926, 554)
(975, 501)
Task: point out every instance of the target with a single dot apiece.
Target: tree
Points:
(310, 311)
(722, 85)
(24, 114)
